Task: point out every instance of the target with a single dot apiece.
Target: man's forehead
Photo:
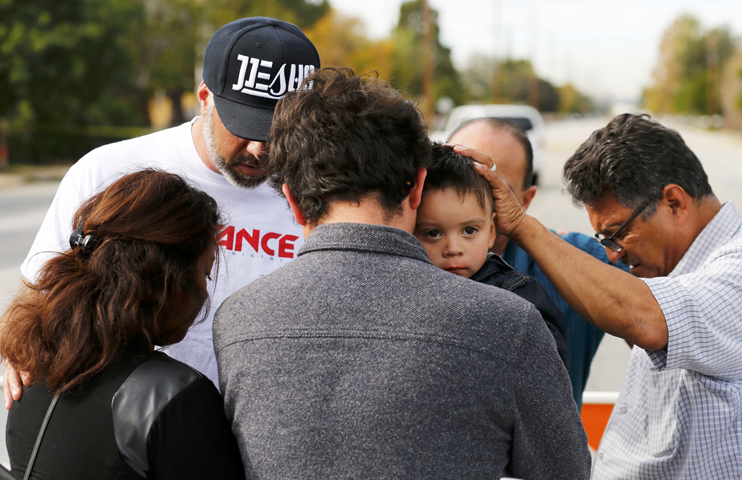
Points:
(476, 130)
(499, 144)
(488, 137)
(606, 214)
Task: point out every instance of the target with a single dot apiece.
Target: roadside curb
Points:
(32, 174)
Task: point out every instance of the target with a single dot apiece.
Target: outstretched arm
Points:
(614, 301)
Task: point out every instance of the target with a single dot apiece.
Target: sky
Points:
(607, 48)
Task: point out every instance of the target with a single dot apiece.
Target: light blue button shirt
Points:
(679, 412)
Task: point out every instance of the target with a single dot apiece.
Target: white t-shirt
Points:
(260, 234)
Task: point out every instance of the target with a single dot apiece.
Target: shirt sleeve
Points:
(548, 438)
(191, 438)
(703, 311)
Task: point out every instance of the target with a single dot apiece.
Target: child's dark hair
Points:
(448, 169)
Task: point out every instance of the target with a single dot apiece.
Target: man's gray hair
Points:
(633, 158)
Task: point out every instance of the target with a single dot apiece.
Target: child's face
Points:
(456, 231)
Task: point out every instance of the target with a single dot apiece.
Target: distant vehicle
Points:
(523, 116)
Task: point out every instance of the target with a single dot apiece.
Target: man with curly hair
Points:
(361, 359)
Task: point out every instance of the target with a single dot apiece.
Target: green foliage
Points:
(342, 42)
(515, 81)
(548, 96)
(407, 71)
(62, 64)
(686, 78)
(65, 64)
(306, 13)
(58, 58)
(572, 101)
(303, 13)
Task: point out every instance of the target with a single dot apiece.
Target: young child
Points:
(455, 224)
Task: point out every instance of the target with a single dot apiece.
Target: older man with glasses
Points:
(649, 200)
(611, 241)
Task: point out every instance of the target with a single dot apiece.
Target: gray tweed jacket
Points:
(361, 359)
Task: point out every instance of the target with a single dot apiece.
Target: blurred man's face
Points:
(236, 158)
(502, 148)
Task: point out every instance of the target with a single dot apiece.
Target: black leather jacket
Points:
(498, 273)
(145, 416)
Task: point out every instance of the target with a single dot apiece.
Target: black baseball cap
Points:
(249, 64)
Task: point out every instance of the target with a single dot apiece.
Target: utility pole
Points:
(712, 75)
(532, 78)
(496, 55)
(3, 145)
(427, 51)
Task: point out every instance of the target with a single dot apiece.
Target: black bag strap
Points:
(35, 451)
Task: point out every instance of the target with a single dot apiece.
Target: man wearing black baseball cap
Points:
(249, 64)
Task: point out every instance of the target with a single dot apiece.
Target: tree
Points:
(68, 65)
(514, 78)
(63, 65)
(407, 68)
(731, 91)
(57, 58)
(572, 101)
(687, 76)
(513, 81)
(303, 13)
(342, 42)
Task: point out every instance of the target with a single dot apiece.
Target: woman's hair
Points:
(134, 284)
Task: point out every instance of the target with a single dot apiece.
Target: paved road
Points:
(22, 210)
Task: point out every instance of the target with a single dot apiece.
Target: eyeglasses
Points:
(611, 242)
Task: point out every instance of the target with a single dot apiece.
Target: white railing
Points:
(600, 398)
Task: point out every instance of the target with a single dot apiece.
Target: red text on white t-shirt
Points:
(270, 243)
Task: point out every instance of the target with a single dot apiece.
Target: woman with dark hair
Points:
(103, 403)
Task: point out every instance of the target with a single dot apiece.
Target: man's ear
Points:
(298, 215)
(203, 94)
(678, 200)
(528, 195)
(416, 192)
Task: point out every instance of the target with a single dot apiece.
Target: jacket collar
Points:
(492, 265)
(364, 237)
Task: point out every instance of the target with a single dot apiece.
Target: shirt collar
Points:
(492, 265)
(364, 237)
(719, 230)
